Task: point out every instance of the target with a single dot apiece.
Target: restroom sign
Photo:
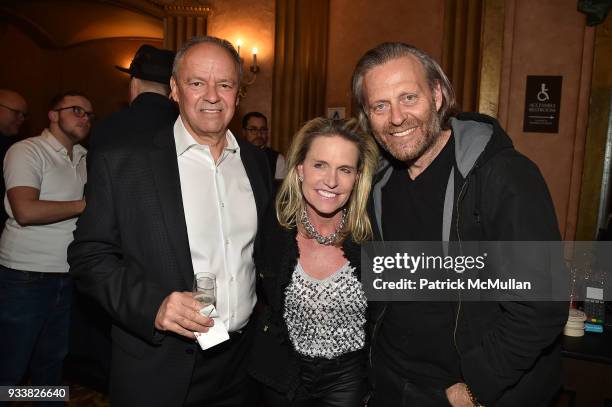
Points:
(336, 113)
(542, 104)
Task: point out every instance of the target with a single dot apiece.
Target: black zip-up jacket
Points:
(509, 351)
(273, 360)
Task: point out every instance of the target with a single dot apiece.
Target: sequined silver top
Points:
(325, 318)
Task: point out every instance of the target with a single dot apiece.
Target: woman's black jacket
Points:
(273, 360)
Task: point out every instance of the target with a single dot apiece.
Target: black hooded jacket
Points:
(509, 351)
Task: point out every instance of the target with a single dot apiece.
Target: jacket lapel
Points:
(166, 175)
(256, 178)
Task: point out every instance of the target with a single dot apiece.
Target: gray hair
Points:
(388, 51)
(225, 44)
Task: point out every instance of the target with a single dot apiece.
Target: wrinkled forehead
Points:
(397, 73)
(208, 57)
(406, 67)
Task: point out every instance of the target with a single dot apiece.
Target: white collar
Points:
(184, 141)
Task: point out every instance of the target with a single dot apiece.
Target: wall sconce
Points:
(254, 69)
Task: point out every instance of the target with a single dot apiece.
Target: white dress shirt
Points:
(221, 222)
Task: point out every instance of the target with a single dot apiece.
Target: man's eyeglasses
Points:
(253, 130)
(78, 111)
(17, 112)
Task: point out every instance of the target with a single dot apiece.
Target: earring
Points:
(301, 178)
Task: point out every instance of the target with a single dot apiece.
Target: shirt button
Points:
(232, 279)
(222, 205)
(226, 242)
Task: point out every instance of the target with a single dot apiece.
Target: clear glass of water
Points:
(205, 288)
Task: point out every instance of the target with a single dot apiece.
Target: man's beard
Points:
(412, 149)
(72, 134)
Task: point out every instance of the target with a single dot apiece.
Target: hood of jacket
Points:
(477, 138)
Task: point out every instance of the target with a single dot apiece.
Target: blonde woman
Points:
(309, 346)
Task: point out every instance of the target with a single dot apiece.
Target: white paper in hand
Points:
(216, 333)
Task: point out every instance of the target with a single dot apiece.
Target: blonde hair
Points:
(290, 201)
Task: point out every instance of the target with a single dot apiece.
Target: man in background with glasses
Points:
(255, 131)
(45, 177)
(13, 111)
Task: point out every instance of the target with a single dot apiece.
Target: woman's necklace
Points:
(312, 232)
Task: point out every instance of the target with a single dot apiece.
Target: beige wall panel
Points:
(549, 37)
(358, 25)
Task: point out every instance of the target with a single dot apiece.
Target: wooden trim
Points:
(506, 62)
(461, 49)
(140, 6)
(29, 26)
(492, 44)
(87, 42)
(300, 55)
(600, 93)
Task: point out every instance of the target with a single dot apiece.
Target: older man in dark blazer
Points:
(188, 200)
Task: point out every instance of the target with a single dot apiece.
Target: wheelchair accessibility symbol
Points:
(543, 93)
(542, 104)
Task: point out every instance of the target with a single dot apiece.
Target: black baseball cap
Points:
(151, 64)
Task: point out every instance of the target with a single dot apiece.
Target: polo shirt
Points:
(43, 163)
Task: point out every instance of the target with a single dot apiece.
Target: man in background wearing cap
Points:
(150, 108)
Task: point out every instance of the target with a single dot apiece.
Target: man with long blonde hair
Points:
(453, 177)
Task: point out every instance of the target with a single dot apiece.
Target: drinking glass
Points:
(205, 288)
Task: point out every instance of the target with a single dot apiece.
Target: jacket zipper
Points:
(376, 325)
(458, 206)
